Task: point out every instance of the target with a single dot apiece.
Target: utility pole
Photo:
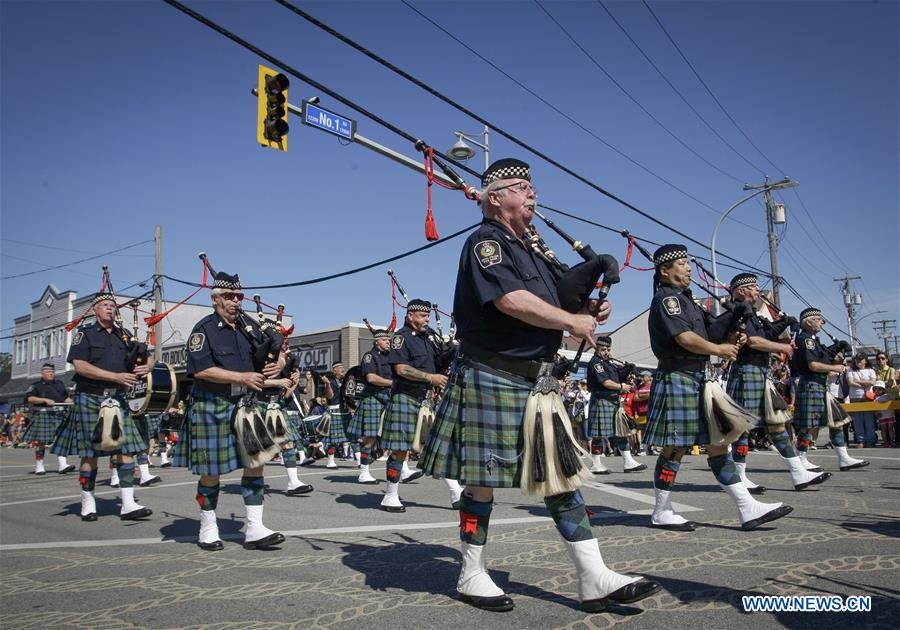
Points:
(157, 295)
(885, 330)
(774, 214)
(851, 301)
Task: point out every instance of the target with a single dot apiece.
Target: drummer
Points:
(44, 396)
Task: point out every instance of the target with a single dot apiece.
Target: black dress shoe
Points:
(271, 540)
(143, 512)
(213, 546)
(395, 509)
(775, 514)
(89, 518)
(687, 526)
(296, 492)
(455, 505)
(413, 476)
(150, 481)
(628, 594)
(166, 465)
(499, 603)
(600, 472)
(67, 469)
(113, 485)
(757, 490)
(43, 472)
(860, 464)
(813, 482)
(637, 468)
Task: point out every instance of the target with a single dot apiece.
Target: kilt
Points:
(368, 414)
(152, 425)
(207, 445)
(809, 406)
(600, 418)
(337, 431)
(747, 385)
(44, 422)
(293, 426)
(400, 420)
(674, 415)
(73, 437)
(477, 434)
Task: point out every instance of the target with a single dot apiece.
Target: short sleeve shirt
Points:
(337, 397)
(102, 349)
(599, 371)
(808, 349)
(54, 390)
(213, 343)
(673, 312)
(413, 349)
(754, 328)
(494, 263)
(375, 362)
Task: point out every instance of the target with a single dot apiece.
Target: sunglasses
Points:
(228, 297)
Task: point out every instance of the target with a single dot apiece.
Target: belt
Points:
(99, 390)
(671, 364)
(520, 367)
(416, 390)
(756, 361)
(220, 389)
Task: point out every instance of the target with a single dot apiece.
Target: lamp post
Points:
(462, 151)
(853, 339)
(766, 188)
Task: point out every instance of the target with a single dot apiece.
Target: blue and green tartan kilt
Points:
(337, 430)
(44, 423)
(400, 420)
(601, 418)
(747, 385)
(477, 434)
(73, 437)
(293, 426)
(207, 445)
(153, 425)
(674, 417)
(368, 414)
(809, 405)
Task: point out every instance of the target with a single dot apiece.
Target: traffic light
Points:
(271, 109)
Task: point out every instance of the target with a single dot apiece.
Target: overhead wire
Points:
(77, 262)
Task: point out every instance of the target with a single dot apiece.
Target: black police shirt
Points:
(493, 263)
(598, 371)
(213, 343)
(102, 349)
(673, 312)
(54, 390)
(376, 363)
(754, 328)
(809, 349)
(413, 349)
(337, 397)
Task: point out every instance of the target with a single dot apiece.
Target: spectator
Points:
(861, 378)
(886, 418)
(884, 371)
(641, 403)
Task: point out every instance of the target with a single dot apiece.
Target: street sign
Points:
(325, 120)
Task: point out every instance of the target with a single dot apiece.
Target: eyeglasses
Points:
(228, 297)
(882, 358)
(520, 187)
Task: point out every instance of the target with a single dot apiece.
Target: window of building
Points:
(34, 348)
(62, 342)
(45, 346)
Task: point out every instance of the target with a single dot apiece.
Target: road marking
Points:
(637, 496)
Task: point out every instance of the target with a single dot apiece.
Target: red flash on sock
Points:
(331, 450)
(200, 498)
(666, 475)
(596, 449)
(83, 481)
(742, 450)
(393, 475)
(804, 443)
(468, 522)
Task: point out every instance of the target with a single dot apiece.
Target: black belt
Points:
(520, 367)
(682, 365)
(99, 390)
(761, 360)
(220, 389)
(416, 390)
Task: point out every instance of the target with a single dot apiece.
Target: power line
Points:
(844, 266)
(66, 249)
(77, 262)
(710, 92)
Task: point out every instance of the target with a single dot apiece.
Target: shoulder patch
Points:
(673, 306)
(77, 338)
(397, 342)
(488, 253)
(810, 343)
(196, 341)
(598, 367)
(367, 357)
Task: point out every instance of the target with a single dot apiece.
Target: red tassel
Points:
(431, 233)
(152, 337)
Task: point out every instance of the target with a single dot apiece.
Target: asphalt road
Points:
(345, 562)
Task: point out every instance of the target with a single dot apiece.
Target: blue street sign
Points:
(325, 120)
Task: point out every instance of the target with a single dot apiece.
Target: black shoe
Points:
(455, 505)
(113, 485)
(774, 515)
(309, 461)
(213, 546)
(499, 603)
(152, 480)
(687, 526)
(637, 468)
(167, 465)
(813, 482)
(67, 469)
(861, 464)
(296, 492)
(89, 518)
(628, 594)
(264, 543)
(134, 515)
(394, 509)
(600, 472)
(43, 472)
(413, 476)
(756, 490)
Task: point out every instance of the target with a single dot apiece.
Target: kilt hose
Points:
(674, 417)
(44, 423)
(73, 437)
(207, 445)
(601, 417)
(337, 431)
(400, 420)
(477, 434)
(368, 414)
(809, 406)
(747, 385)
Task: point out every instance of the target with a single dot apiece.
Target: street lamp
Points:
(853, 338)
(787, 182)
(462, 151)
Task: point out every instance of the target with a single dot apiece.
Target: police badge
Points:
(397, 342)
(673, 306)
(810, 343)
(488, 253)
(196, 341)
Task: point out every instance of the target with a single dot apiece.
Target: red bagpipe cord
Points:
(393, 325)
(628, 254)
(155, 319)
(710, 283)
(72, 325)
(431, 232)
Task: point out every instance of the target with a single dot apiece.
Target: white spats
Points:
(365, 476)
(209, 527)
(330, 463)
(630, 464)
(391, 501)
(255, 528)
(474, 580)
(663, 512)
(293, 479)
(146, 478)
(595, 580)
(749, 508)
(742, 471)
(114, 478)
(597, 466)
(88, 505)
(455, 490)
(808, 465)
(163, 456)
(800, 476)
(39, 467)
(845, 462)
(128, 503)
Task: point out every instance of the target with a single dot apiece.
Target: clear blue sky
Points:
(117, 116)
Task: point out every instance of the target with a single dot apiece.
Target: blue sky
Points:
(115, 117)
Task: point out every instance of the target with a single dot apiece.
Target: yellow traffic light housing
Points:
(271, 109)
